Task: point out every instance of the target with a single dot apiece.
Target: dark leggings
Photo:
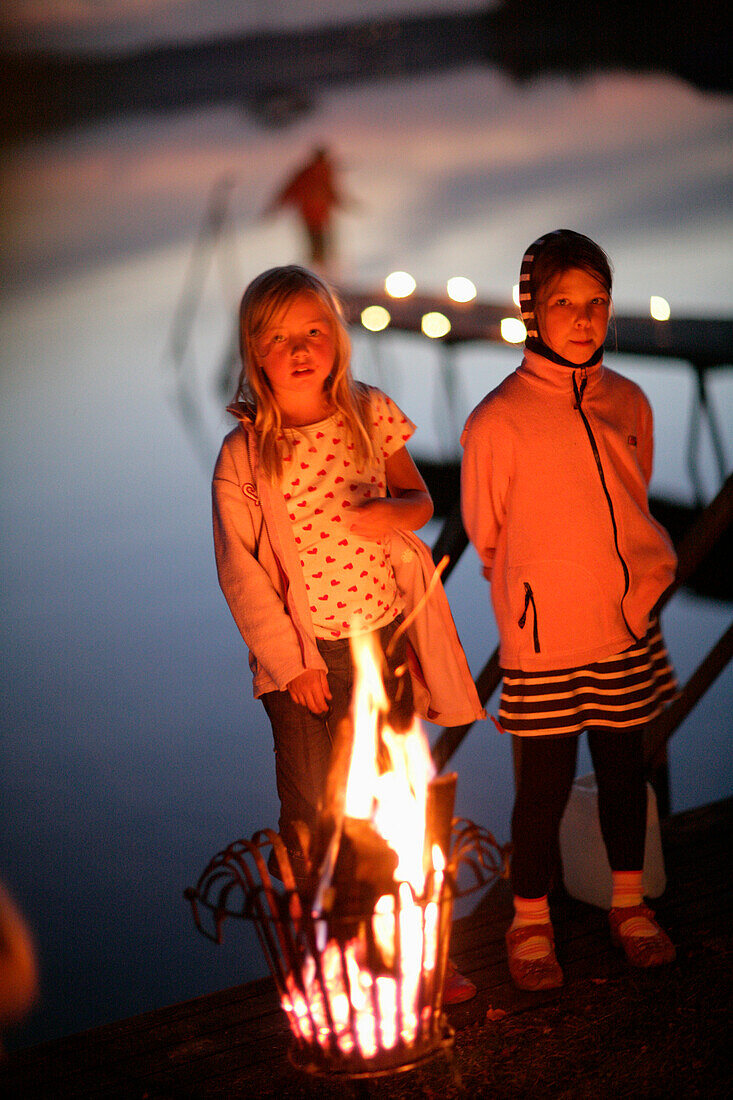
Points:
(547, 770)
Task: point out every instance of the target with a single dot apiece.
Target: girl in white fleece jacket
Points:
(311, 550)
(557, 461)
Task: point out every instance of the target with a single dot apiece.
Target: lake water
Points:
(132, 749)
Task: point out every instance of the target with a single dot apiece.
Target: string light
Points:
(399, 284)
(512, 330)
(659, 308)
(461, 289)
(375, 318)
(435, 325)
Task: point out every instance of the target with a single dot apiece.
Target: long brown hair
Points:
(267, 297)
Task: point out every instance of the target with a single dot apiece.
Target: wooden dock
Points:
(610, 1031)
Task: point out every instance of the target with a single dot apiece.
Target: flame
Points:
(346, 1002)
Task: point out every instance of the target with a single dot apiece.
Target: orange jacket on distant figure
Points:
(312, 191)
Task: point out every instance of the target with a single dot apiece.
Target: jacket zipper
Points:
(529, 599)
(579, 391)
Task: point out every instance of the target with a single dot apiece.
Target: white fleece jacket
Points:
(261, 577)
(575, 567)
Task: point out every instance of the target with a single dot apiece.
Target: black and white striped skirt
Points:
(626, 690)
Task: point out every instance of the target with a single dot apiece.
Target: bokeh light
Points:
(659, 308)
(435, 325)
(512, 330)
(375, 318)
(399, 284)
(461, 289)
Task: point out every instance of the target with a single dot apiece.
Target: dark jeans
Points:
(547, 770)
(303, 741)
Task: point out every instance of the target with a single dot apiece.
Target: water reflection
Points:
(131, 746)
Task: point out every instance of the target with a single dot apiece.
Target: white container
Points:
(586, 871)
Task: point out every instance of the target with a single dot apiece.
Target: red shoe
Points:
(533, 974)
(456, 988)
(641, 950)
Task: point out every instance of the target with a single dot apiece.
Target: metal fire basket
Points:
(352, 1007)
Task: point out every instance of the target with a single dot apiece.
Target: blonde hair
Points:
(266, 297)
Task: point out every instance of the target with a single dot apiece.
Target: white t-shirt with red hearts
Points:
(349, 579)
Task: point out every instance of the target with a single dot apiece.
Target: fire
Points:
(374, 988)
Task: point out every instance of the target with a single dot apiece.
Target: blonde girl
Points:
(315, 501)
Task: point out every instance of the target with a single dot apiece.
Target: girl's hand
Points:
(374, 519)
(310, 689)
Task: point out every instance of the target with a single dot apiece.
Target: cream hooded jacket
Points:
(262, 580)
(554, 499)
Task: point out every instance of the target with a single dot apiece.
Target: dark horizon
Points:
(277, 76)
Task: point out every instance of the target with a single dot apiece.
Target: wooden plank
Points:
(234, 1042)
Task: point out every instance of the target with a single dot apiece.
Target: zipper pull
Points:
(579, 391)
(529, 599)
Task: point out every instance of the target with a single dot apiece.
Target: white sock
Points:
(627, 892)
(531, 911)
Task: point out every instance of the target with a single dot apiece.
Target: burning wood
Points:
(359, 952)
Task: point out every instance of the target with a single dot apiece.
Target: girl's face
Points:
(572, 313)
(297, 351)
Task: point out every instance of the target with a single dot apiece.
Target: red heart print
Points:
(352, 588)
(318, 575)
(296, 481)
(319, 435)
(340, 604)
(321, 473)
(329, 457)
(334, 582)
(349, 565)
(330, 495)
(304, 465)
(313, 551)
(343, 542)
(324, 534)
(363, 573)
(323, 598)
(339, 479)
(307, 526)
(329, 560)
